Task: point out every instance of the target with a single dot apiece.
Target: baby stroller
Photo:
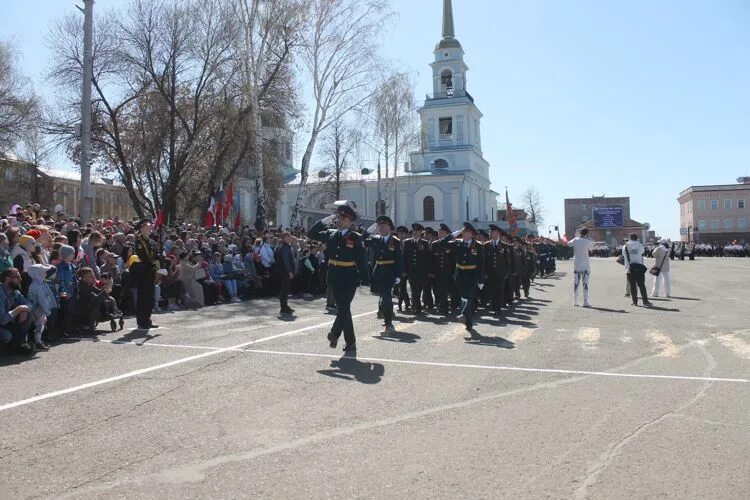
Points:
(110, 312)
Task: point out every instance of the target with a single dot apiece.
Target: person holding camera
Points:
(633, 252)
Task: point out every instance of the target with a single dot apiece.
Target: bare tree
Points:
(337, 151)
(270, 31)
(394, 105)
(339, 54)
(19, 108)
(531, 202)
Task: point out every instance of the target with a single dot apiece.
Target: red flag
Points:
(512, 224)
(208, 221)
(160, 218)
(237, 221)
(228, 198)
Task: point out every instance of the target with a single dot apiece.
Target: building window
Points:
(714, 224)
(741, 204)
(380, 208)
(727, 204)
(742, 224)
(728, 224)
(690, 207)
(701, 205)
(701, 225)
(428, 208)
(446, 83)
(440, 163)
(446, 129)
(714, 204)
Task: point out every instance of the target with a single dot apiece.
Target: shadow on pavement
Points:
(606, 309)
(403, 337)
(477, 339)
(350, 368)
(137, 334)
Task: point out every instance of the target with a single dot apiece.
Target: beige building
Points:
(716, 213)
(110, 199)
(584, 211)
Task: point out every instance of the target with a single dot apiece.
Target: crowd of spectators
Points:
(62, 277)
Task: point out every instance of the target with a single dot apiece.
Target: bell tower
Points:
(449, 68)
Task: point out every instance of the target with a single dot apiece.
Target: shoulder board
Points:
(396, 238)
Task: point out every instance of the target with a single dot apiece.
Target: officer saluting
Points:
(469, 268)
(388, 265)
(347, 268)
(145, 272)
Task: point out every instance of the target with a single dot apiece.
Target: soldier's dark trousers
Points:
(495, 287)
(344, 294)
(403, 295)
(416, 286)
(286, 285)
(508, 290)
(517, 286)
(427, 298)
(442, 290)
(466, 281)
(145, 303)
(385, 304)
(526, 284)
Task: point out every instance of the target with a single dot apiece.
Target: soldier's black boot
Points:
(333, 340)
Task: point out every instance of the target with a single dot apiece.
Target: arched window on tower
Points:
(428, 208)
(446, 83)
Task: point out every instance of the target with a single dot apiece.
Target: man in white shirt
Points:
(581, 266)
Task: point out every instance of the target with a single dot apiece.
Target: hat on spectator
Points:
(67, 251)
(34, 233)
(133, 259)
(138, 225)
(108, 223)
(26, 241)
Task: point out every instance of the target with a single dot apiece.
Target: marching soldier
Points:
(469, 268)
(519, 263)
(497, 267)
(403, 295)
(388, 258)
(145, 272)
(416, 258)
(528, 269)
(442, 267)
(508, 291)
(347, 268)
(429, 284)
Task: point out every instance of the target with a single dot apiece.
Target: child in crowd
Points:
(42, 301)
(67, 288)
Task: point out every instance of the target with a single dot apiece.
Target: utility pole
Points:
(86, 202)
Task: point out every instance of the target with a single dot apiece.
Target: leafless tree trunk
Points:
(531, 201)
(338, 149)
(339, 53)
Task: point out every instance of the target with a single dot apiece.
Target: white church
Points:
(446, 181)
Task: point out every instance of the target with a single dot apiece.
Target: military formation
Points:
(442, 272)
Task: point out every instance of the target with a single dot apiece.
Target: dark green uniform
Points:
(416, 264)
(145, 272)
(469, 273)
(443, 267)
(388, 265)
(497, 266)
(347, 268)
(528, 270)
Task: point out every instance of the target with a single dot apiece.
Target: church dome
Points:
(448, 43)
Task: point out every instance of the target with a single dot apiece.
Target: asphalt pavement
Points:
(553, 401)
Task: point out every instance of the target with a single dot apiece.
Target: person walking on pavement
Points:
(388, 266)
(347, 269)
(469, 269)
(285, 263)
(416, 262)
(661, 254)
(497, 266)
(403, 295)
(581, 266)
(635, 269)
(145, 274)
(442, 267)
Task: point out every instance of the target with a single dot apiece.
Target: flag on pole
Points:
(210, 218)
(219, 205)
(160, 218)
(226, 214)
(512, 224)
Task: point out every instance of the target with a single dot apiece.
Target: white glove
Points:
(329, 220)
(456, 234)
(372, 229)
(398, 280)
(480, 285)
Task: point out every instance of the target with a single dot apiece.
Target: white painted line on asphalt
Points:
(589, 338)
(663, 344)
(735, 344)
(505, 368)
(162, 366)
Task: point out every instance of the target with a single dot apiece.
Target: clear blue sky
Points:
(640, 98)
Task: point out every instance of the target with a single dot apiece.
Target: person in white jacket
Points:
(661, 255)
(633, 251)
(581, 266)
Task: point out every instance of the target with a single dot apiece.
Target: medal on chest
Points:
(349, 242)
